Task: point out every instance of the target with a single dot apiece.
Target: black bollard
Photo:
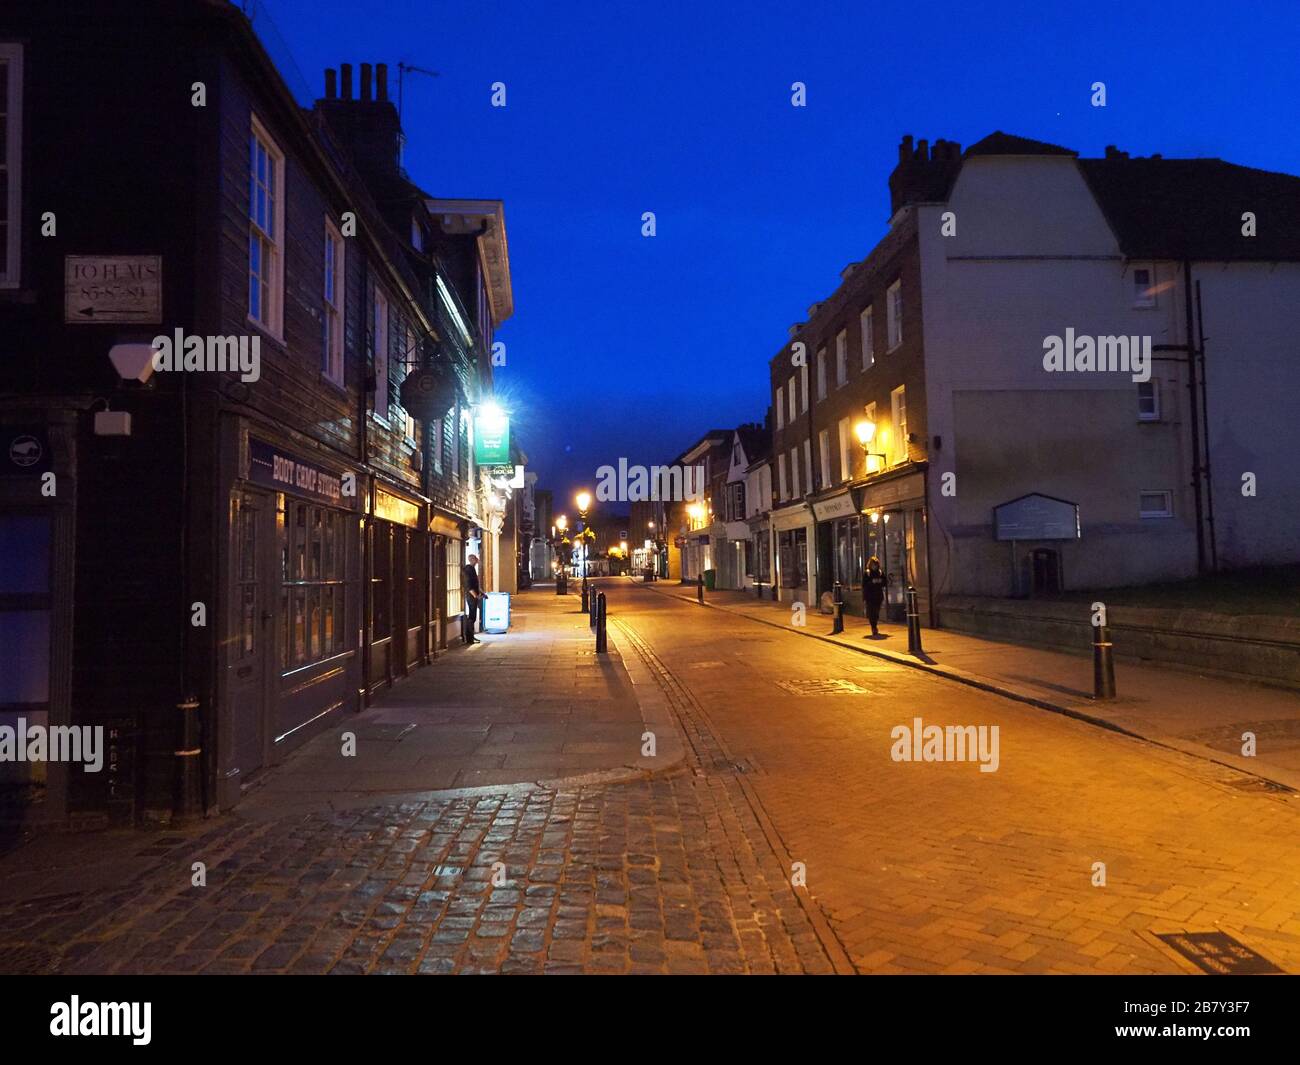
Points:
(1103, 664)
(837, 625)
(591, 611)
(187, 796)
(602, 640)
(699, 588)
(758, 589)
(913, 623)
(585, 606)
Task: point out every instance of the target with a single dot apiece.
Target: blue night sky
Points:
(626, 346)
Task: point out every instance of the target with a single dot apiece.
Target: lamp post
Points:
(561, 577)
(583, 501)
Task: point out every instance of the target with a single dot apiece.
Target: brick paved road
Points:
(937, 867)
(927, 867)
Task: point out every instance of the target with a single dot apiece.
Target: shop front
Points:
(446, 540)
(894, 531)
(697, 555)
(795, 569)
(733, 550)
(758, 556)
(290, 652)
(839, 545)
(399, 606)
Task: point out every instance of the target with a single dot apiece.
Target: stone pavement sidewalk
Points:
(661, 866)
(536, 704)
(1198, 714)
(530, 705)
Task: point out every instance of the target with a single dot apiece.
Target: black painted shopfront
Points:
(289, 652)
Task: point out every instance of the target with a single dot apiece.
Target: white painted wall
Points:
(1032, 256)
(1252, 358)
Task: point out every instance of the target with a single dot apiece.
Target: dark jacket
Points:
(873, 586)
(470, 584)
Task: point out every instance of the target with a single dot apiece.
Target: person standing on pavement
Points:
(874, 582)
(473, 597)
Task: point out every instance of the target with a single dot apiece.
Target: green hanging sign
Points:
(491, 437)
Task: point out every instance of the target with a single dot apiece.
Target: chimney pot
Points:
(365, 81)
(381, 81)
(331, 83)
(905, 149)
(923, 150)
(346, 72)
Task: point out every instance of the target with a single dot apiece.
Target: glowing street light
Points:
(583, 499)
(865, 430)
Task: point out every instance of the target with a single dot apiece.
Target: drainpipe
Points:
(814, 559)
(363, 441)
(1205, 421)
(1193, 389)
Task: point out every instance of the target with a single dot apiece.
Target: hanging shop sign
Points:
(492, 439)
(429, 392)
(286, 472)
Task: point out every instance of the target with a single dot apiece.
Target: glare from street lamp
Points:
(583, 499)
(866, 431)
(695, 511)
(561, 523)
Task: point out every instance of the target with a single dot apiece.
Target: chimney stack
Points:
(922, 175)
(367, 126)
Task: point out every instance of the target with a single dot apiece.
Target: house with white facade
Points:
(1111, 364)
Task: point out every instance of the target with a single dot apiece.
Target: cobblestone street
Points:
(687, 869)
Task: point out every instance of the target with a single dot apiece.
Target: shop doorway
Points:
(251, 643)
(825, 557)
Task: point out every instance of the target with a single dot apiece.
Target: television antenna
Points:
(402, 69)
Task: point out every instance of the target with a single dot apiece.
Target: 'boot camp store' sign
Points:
(286, 472)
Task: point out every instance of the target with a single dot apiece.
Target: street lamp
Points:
(583, 500)
(557, 535)
(865, 431)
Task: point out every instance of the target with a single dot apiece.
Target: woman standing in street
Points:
(874, 583)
